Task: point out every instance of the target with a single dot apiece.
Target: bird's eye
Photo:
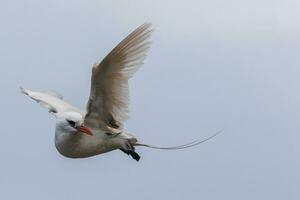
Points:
(72, 123)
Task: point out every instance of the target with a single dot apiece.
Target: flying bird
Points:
(100, 129)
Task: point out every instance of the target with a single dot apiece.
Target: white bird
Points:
(100, 129)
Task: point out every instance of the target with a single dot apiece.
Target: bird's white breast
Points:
(79, 145)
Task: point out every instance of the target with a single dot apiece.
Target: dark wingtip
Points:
(23, 90)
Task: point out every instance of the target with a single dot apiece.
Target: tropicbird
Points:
(99, 129)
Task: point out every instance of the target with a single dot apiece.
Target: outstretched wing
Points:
(51, 100)
(108, 101)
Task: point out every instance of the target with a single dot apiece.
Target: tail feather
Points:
(184, 146)
(130, 144)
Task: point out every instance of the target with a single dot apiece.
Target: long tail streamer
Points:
(184, 146)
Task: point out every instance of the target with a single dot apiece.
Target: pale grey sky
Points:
(213, 64)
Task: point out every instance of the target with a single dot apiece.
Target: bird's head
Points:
(73, 122)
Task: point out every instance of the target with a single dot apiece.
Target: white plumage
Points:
(100, 129)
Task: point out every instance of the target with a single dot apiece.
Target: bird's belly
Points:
(84, 147)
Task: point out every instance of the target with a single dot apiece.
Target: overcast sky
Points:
(212, 64)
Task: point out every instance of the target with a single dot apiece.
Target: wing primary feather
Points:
(50, 100)
(109, 96)
(131, 38)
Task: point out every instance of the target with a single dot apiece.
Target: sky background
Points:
(212, 64)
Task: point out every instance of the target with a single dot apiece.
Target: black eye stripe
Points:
(72, 123)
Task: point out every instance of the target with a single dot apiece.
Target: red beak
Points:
(85, 130)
